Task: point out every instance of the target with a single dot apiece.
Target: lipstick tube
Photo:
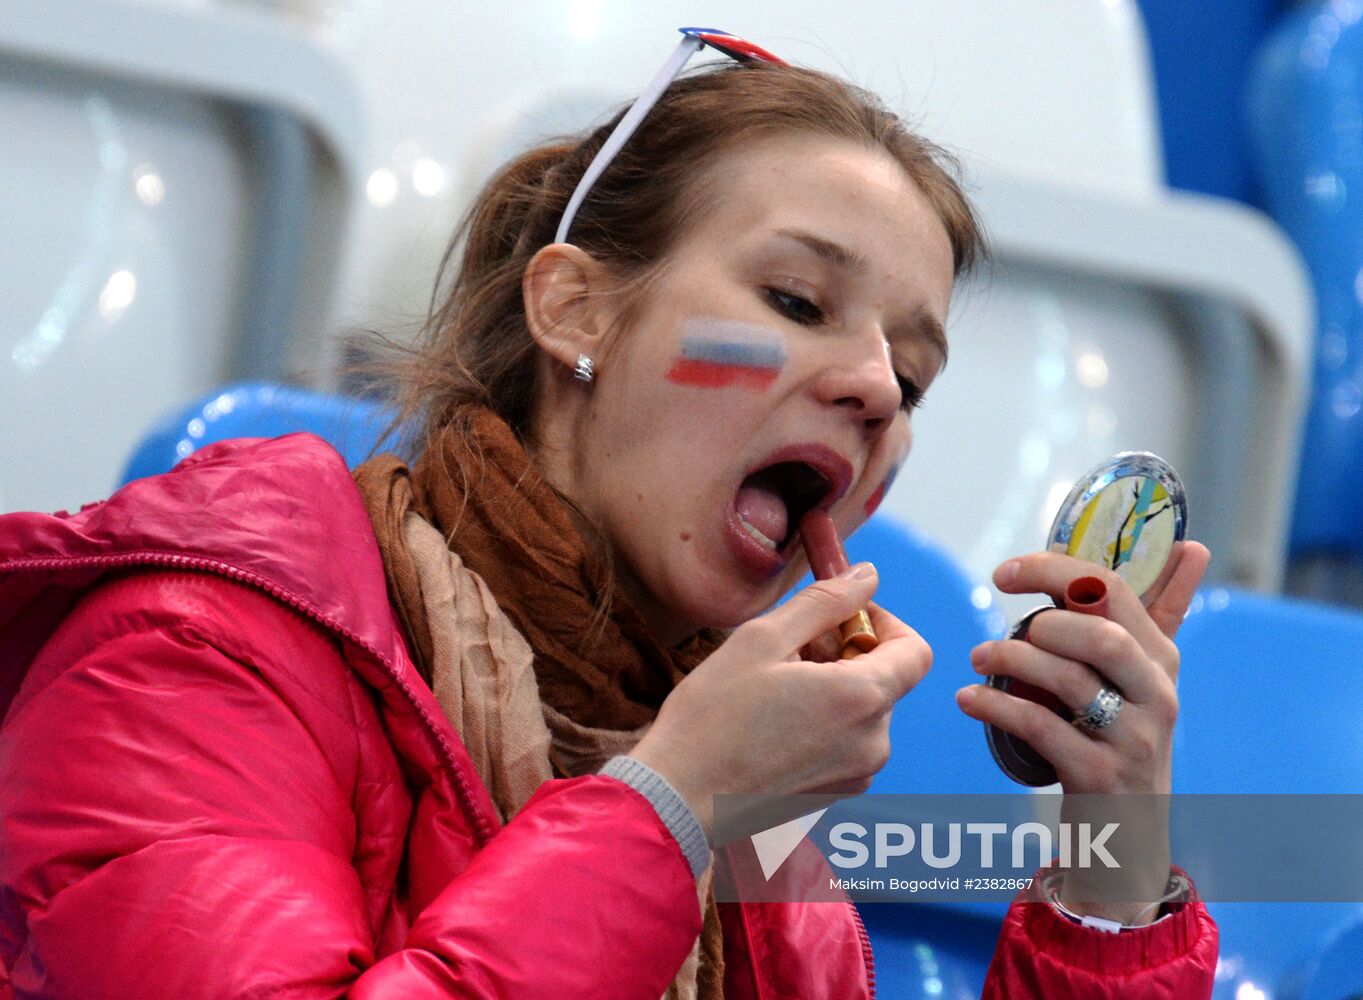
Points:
(827, 558)
(1087, 595)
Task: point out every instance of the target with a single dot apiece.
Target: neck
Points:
(665, 626)
(556, 462)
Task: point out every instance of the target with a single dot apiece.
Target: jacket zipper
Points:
(750, 934)
(481, 827)
(865, 949)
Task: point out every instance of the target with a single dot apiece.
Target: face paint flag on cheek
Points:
(715, 364)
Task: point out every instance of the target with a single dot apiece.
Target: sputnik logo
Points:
(775, 845)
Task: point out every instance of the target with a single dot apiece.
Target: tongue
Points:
(764, 510)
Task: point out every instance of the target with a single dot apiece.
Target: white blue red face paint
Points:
(873, 501)
(717, 354)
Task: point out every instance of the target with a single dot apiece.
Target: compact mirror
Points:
(1126, 514)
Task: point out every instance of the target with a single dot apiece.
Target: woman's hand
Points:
(757, 718)
(1073, 655)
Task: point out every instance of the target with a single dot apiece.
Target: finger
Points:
(887, 625)
(823, 648)
(816, 609)
(1172, 601)
(1051, 736)
(1170, 565)
(1073, 682)
(1104, 646)
(1051, 572)
(896, 665)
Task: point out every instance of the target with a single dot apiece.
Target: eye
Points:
(910, 394)
(793, 307)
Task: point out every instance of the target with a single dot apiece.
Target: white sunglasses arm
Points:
(680, 56)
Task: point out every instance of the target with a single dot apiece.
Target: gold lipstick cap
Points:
(857, 635)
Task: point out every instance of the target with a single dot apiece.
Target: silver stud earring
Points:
(584, 371)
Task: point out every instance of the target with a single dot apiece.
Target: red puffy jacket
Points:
(222, 777)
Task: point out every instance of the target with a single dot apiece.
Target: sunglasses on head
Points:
(693, 40)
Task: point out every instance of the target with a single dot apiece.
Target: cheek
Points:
(878, 495)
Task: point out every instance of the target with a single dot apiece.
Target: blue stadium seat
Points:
(1336, 973)
(255, 409)
(1271, 693)
(1306, 86)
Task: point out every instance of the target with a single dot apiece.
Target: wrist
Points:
(1117, 916)
(667, 802)
(701, 805)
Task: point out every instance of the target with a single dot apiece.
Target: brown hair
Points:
(475, 346)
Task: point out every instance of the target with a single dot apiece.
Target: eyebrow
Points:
(834, 253)
(925, 325)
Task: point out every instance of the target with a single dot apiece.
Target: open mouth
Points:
(772, 501)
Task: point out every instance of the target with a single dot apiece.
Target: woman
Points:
(252, 753)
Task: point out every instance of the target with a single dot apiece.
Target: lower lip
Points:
(750, 553)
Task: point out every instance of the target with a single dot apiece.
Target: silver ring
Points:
(1101, 712)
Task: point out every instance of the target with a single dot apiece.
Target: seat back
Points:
(352, 426)
(1306, 81)
(1270, 692)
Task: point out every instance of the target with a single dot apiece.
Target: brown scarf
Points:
(512, 555)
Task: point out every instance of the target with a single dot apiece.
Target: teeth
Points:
(760, 538)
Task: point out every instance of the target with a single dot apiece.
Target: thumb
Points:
(1176, 595)
(819, 608)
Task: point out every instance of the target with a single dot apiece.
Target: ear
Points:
(564, 315)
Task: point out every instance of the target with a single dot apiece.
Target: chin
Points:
(727, 605)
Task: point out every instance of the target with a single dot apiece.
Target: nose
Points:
(860, 379)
